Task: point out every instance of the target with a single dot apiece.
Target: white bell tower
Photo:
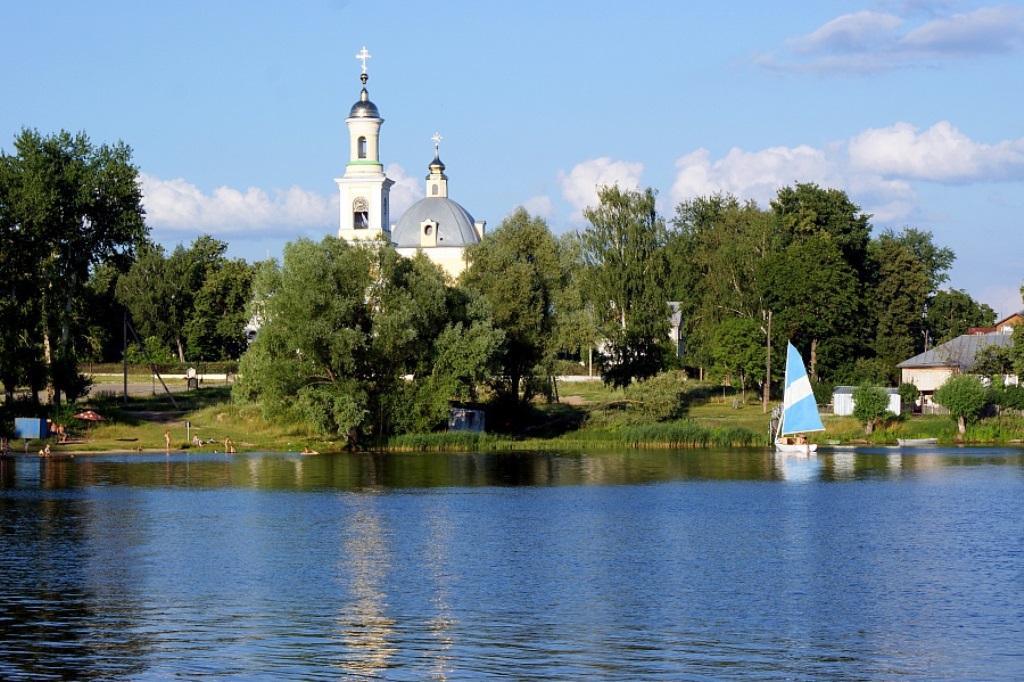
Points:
(364, 188)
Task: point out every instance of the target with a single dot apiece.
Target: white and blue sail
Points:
(800, 411)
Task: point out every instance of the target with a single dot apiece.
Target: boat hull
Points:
(782, 445)
(911, 442)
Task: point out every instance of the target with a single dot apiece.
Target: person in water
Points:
(307, 451)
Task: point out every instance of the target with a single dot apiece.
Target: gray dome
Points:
(454, 224)
(364, 108)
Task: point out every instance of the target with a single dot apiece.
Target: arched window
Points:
(360, 213)
(433, 189)
(362, 147)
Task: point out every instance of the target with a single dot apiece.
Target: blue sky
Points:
(236, 110)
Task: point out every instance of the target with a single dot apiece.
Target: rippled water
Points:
(879, 564)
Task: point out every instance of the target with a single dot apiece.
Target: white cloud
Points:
(179, 206)
(877, 168)
(540, 206)
(859, 32)
(868, 41)
(750, 175)
(941, 154)
(406, 191)
(580, 185)
(988, 30)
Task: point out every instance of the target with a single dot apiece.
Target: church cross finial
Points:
(363, 56)
(437, 142)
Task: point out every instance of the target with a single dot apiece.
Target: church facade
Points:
(436, 224)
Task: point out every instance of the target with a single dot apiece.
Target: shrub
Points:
(660, 398)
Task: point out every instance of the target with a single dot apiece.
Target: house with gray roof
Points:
(930, 369)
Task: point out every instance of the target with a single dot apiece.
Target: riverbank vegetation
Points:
(590, 417)
(352, 345)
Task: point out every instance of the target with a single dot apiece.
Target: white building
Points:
(436, 224)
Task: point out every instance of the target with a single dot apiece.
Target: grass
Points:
(590, 416)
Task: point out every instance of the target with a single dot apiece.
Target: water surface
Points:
(880, 564)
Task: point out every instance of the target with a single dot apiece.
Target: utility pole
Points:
(768, 367)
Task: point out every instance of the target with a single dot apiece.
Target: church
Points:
(436, 224)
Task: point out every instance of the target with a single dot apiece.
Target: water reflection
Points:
(365, 626)
(376, 471)
(873, 563)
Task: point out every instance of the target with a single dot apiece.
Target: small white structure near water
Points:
(462, 419)
(842, 400)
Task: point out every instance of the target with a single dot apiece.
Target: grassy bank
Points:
(589, 416)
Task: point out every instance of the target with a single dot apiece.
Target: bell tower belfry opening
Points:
(364, 188)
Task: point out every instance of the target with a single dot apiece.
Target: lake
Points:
(871, 564)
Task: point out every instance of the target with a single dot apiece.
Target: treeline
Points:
(75, 254)
(357, 341)
(808, 266)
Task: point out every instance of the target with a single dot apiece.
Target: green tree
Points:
(994, 361)
(815, 273)
(714, 253)
(964, 396)
(739, 351)
(624, 252)
(815, 296)
(68, 206)
(517, 273)
(899, 297)
(807, 210)
(193, 300)
(215, 330)
(952, 312)
(577, 327)
(936, 260)
(358, 354)
(870, 406)
(1018, 348)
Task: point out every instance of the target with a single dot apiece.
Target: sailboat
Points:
(799, 409)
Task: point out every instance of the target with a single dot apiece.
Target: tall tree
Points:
(951, 312)
(899, 296)
(624, 250)
(714, 253)
(815, 296)
(357, 354)
(70, 205)
(517, 272)
(819, 262)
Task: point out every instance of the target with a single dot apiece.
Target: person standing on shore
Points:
(167, 442)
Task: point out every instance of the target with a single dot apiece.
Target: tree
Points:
(870, 406)
(358, 354)
(964, 396)
(808, 211)
(714, 254)
(815, 296)
(518, 275)
(577, 328)
(899, 297)
(624, 253)
(68, 206)
(952, 312)
(193, 300)
(215, 330)
(815, 273)
(936, 260)
(739, 350)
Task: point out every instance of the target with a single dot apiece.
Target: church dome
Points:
(364, 108)
(454, 224)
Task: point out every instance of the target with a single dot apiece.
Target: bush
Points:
(660, 398)
(823, 391)
(964, 396)
(909, 393)
(870, 406)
